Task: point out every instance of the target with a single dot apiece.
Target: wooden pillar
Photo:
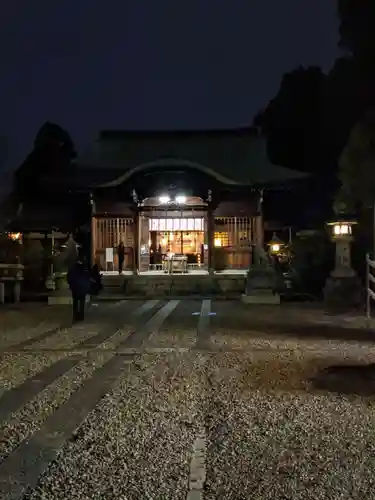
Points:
(94, 235)
(93, 240)
(210, 237)
(118, 231)
(136, 238)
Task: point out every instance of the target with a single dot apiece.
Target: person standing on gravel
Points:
(79, 284)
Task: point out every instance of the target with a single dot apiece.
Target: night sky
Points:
(150, 64)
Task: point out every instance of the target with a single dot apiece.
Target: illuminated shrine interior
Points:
(178, 235)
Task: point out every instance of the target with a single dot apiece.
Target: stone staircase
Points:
(172, 285)
(113, 285)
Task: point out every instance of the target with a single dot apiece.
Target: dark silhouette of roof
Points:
(173, 134)
(234, 156)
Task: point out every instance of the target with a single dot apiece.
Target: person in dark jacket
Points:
(121, 256)
(96, 280)
(79, 284)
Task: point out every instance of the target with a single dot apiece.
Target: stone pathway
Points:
(195, 399)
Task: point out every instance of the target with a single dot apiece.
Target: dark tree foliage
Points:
(346, 97)
(357, 31)
(52, 154)
(357, 36)
(308, 123)
(357, 165)
(292, 120)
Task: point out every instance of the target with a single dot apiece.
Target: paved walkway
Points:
(185, 399)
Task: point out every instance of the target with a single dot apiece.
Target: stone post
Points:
(17, 291)
(343, 287)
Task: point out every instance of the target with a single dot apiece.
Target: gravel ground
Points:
(137, 443)
(271, 438)
(67, 338)
(29, 419)
(39, 318)
(115, 340)
(246, 341)
(15, 368)
(270, 432)
(13, 336)
(32, 313)
(182, 338)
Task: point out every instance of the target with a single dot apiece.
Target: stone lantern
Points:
(275, 245)
(343, 286)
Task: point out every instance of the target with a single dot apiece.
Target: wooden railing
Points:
(370, 282)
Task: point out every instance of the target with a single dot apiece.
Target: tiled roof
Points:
(235, 156)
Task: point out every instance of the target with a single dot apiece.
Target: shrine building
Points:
(196, 194)
(193, 193)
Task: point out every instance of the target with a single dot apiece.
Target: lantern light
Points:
(14, 236)
(180, 199)
(275, 244)
(342, 228)
(164, 199)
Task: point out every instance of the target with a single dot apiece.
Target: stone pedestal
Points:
(343, 288)
(62, 299)
(11, 277)
(261, 297)
(261, 282)
(343, 292)
(59, 289)
(50, 283)
(61, 282)
(61, 294)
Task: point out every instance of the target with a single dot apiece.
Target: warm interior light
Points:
(164, 199)
(181, 199)
(217, 242)
(275, 247)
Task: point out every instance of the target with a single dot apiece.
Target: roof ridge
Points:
(131, 133)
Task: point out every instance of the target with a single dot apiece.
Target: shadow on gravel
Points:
(326, 332)
(302, 330)
(347, 379)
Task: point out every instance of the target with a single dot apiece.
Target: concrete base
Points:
(261, 298)
(63, 299)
